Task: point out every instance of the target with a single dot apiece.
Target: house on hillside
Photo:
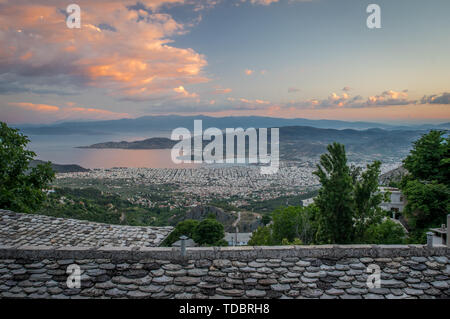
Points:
(307, 202)
(397, 200)
(237, 239)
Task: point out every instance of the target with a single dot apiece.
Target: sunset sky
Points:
(285, 58)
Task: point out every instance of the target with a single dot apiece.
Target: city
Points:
(185, 152)
(206, 183)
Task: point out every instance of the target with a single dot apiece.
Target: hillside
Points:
(298, 142)
(60, 168)
(151, 143)
(248, 221)
(394, 176)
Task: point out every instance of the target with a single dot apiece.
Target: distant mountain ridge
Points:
(61, 168)
(170, 122)
(147, 144)
(298, 142)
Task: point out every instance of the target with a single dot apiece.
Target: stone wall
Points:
(245, 272)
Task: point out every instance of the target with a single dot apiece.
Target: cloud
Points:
(293, 90)
(249, 72)
(263, 2)
(443, 98)
(181, 90)
(245, 104)
(346, 89)
(25, 112)
(269, 2)
(334, 100)
(258, 102)
(124, 50)
(390, 97)
(222, 91)
(37, 107)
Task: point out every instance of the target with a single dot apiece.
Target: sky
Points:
(312, 59)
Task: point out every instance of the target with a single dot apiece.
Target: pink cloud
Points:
(249, 72)
(131, 57)
(36, 107)
(223, 91)
(44, 113)
(181, 90)
(263, 2)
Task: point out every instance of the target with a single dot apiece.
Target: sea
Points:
(62, 149)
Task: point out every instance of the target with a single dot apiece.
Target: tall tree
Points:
(335, 200)
(428, 204)
(430, 158)
(367, 199)
(21, 187)
(290, 225)
(427, 187)
(185, 227)
(261, 237)
(209, 232)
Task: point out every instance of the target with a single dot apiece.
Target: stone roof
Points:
(18, 229)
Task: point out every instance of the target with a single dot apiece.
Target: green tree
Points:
(428, 204)
(266, 219)
(286, 224)
(427, 187)
(349, 199)
(296, 241)
(21, 187)
(367, 199)
(261, 237)
(335, 200)
(387, 232)
(208, 232)
(291, 225)
(430, 158)
(186, 228)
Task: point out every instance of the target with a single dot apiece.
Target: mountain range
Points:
(300, 142)
(170, 122)
(61, 168)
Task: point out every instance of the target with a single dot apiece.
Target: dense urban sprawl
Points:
(194, 186)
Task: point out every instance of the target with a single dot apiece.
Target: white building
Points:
(307, 202)
(237, 239)
(397, 200)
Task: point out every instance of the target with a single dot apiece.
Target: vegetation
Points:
(269, 205)
(289, 225)
(97, 206)
(262, 236)
(266, 219)
(348, 201)
(186, 228)
(346, 209)
(427, 186)
(208, 232)
(334, 202)
(430, 158)
(387, 232)
(21, 186)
